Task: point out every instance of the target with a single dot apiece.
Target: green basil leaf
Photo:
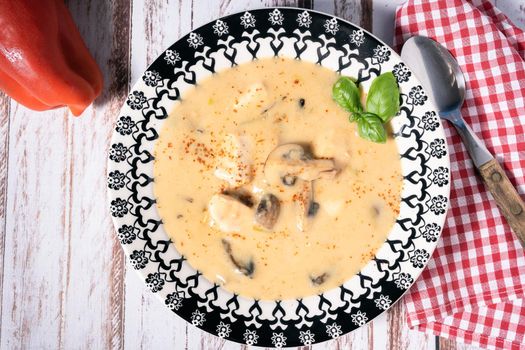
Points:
(370, 127)
(346, 94)
(383, 97)
(353, 117)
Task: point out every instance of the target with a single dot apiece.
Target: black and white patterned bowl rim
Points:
(232, 40)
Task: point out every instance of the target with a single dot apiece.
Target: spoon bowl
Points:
(436, 68)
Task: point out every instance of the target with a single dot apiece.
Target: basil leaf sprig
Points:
(383, 97)
(382, 104)
(370, 127)
(347, 95)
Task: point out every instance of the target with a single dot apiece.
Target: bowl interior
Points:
(233, 40)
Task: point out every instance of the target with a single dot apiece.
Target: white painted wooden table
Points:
(63, 282)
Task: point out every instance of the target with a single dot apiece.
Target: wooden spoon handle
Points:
(506, 196)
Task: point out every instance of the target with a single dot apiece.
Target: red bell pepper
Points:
(44, 63)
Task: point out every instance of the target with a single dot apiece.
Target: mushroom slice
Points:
(246, 269)
(234, 163)
(267, 211)
(228, 213)
(289, 162)
(318, 169)
(320, 279)
(306, 208)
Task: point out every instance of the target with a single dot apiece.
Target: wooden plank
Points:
(37, 226)
(93, 290)
(379, 335)
(514, 9)
(148, 322)
(451, 344)
(4, 146)
(400, 336)
(56, 230)
(448, 344)
(383, 23)
(355, 12)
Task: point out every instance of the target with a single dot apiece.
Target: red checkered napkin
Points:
(474, 287)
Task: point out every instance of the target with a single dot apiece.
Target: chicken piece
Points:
(234, 161)
(333, 207)
(256, 94)
(228, 213)
(333, 144)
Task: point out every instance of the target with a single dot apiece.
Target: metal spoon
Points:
(443, 80)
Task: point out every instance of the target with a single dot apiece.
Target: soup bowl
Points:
(224, 43)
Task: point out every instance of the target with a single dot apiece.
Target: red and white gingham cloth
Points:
(473, 289)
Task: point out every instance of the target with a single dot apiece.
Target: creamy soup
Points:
(265, 187)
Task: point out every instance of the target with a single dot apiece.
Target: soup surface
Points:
(264, 185)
